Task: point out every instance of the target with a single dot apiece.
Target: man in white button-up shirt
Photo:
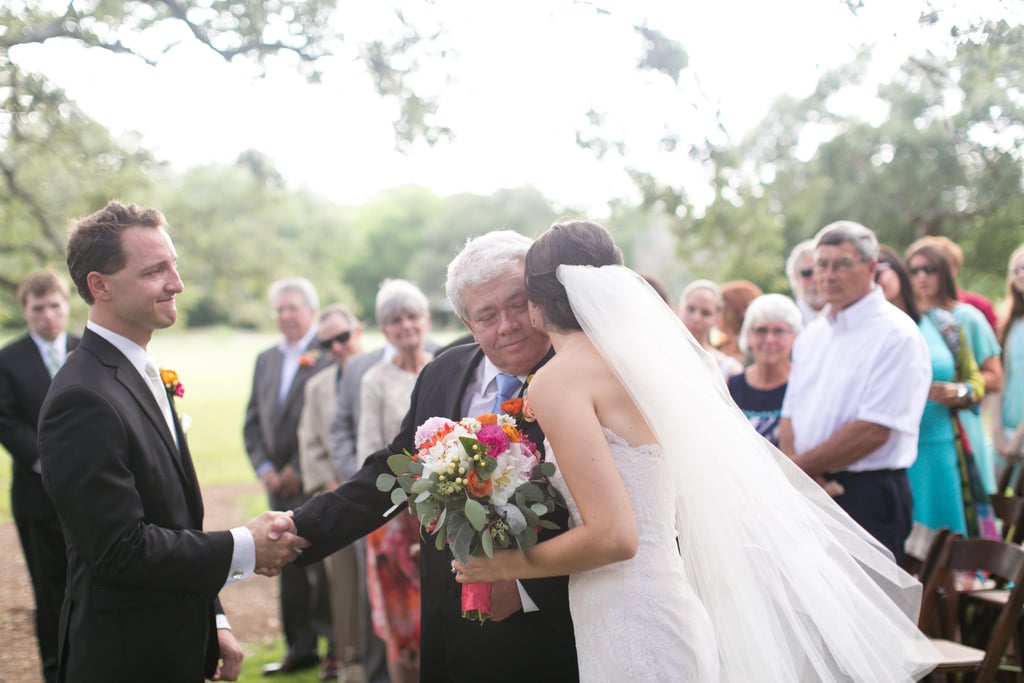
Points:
(857, 389)
(143, 578)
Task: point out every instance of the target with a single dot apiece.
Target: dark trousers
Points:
(46, 557)
(305, 600)
(881, 502)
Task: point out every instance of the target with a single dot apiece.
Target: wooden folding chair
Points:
(998, 561)
(921, 551)
(1009, 509)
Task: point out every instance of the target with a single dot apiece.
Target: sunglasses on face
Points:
(806, 272)
(326, 344)
(927, 270)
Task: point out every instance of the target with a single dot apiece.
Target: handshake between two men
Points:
(276, 541)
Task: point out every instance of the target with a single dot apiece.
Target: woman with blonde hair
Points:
(1008, 416)
(700, 309)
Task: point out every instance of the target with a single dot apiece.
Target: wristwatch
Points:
(962, 391)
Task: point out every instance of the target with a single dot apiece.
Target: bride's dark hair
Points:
(572, 243)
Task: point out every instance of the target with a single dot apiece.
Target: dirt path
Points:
(251, 604)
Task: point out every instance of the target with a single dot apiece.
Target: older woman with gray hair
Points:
(392, 571)
(771, 323)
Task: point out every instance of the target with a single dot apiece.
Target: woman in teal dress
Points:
(934, 287)
(935, 477)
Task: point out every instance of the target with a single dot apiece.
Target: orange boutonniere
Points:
(172, 383)
(309, 358)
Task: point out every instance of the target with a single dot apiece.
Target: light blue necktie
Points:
(508, 386)
(53, 360)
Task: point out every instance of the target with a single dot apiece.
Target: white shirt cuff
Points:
(222, 622)
(528, 604)
(243, 557)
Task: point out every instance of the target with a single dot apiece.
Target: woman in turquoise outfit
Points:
(935, 477)
(934, 287)
(1008, 416)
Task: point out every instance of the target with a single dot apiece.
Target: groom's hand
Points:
(505, 600)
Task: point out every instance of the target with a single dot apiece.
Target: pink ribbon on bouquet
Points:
(476, 601)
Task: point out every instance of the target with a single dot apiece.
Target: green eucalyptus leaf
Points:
(386, 482)
(476, 514)
(531, 492)
(399, 463)
(487, 544)
(460, 536)
(421, 485)
(539, 509)
(398, 496)
(548, 524)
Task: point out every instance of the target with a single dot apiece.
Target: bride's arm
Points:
(608, 533)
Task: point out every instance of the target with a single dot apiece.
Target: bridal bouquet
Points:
(476, 485)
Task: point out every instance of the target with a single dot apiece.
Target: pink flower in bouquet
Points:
(494, 438)
(429, 429)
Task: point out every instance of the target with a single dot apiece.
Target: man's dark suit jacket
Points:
(23, 384)
(270, 431)
(143, 577)
(537, 646)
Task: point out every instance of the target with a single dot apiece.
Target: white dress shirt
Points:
(867, 362)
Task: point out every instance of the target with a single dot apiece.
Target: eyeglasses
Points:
(775, 331)
(326, 344)
(927, 270)
(806, 273)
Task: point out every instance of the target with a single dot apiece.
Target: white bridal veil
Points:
(795, 589)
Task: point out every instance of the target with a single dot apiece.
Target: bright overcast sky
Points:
(525, 76)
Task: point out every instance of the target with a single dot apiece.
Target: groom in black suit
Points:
(143, 578)
(530, 636)
(26, 366)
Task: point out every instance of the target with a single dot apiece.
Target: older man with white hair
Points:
(802, 280)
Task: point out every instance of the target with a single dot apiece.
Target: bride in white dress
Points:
(697, 551)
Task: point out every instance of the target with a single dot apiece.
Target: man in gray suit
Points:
(347, 463)
(271, 441)
(338, 336)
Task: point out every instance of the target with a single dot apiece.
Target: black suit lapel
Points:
(128, 377)
(467, 369)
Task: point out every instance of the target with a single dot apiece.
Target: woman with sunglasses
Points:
(1008, 415)
(770, 325)
(935, 477)
(935, 294)
(392, 572)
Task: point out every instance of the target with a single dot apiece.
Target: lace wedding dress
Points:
(770, 576)
(639, 620)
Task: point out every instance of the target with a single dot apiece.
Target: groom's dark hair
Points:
(572, 243)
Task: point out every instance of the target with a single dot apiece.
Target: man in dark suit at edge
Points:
(143, 577)
(486, 287)
(27, 366)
